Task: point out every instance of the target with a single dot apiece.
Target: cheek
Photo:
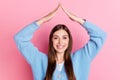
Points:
(54, 43)
(67, 44)
(67, 41)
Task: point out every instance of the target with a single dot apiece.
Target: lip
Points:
(60, 46)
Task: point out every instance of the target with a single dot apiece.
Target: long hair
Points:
(52, 55)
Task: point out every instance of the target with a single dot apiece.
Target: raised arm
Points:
(72, 16)
(97, 37)
(24, 36)
(48, 16)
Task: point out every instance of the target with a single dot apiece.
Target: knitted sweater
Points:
(81, 58)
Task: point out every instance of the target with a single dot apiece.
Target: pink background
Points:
(15, 14)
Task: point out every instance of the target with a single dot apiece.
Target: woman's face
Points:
(60, 41)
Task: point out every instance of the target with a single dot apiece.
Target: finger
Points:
(57, 7)
(60, 5)
(64, 9)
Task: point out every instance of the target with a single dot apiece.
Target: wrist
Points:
(39, 22)
(81, 21)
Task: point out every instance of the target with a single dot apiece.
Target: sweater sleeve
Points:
(25, 46)
(97, 38)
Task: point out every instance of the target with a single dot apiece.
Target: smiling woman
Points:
(60, 40)
(60, 64)
(60, 46)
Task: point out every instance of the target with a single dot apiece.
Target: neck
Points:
(60, 58)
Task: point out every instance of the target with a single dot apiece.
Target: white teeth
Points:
(60, 46)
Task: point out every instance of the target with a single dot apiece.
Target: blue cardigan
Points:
(81, 58)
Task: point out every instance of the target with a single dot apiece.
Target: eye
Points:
(64, 37)
(55, 38)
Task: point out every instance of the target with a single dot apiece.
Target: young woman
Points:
(60, 64)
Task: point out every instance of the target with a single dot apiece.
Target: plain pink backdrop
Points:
(15, 14)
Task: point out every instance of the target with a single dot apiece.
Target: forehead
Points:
(60, 32)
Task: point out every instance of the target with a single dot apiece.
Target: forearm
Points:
(80, 20)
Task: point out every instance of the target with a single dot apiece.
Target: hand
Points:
(48, 16)
(72, 16)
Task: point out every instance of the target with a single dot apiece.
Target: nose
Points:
(60, 41)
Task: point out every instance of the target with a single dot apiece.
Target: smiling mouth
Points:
(60, 46)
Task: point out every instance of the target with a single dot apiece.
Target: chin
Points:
(58, 51)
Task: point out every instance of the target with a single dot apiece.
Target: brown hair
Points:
(52, 55)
